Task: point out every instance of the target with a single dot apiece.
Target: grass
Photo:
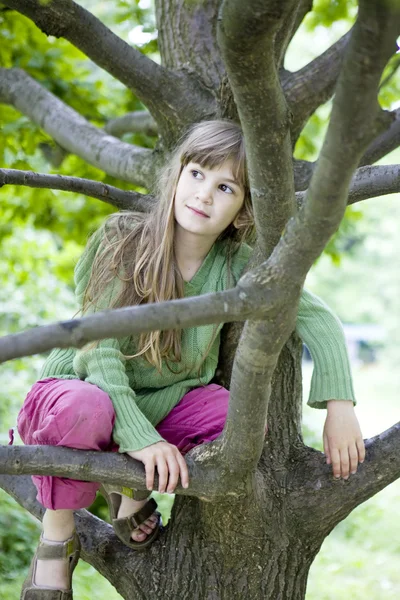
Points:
(360, 558)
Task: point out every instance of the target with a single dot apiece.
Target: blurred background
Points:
(42, 234)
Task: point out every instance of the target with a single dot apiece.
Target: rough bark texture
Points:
(258, 509)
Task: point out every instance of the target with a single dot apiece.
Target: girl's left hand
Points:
(343, 441)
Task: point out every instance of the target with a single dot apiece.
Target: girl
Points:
(150, 397)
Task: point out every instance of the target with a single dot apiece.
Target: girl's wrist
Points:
(334, 405)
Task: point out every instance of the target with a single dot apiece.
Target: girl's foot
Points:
(129, 506)
(58, 526)
(52, 573)
(51, 569)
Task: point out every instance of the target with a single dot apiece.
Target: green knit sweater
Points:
(142, 396)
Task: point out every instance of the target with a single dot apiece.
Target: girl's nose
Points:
(204, 195)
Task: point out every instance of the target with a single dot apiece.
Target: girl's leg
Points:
(64, 413)
(72, 413)
(198, 418)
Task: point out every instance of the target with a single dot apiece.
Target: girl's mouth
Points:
(198, 212)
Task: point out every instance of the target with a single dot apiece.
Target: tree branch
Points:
(386, 142)
(230, 305)
(265, 121)
(106, 193)
(115, 468)
(168, 96)
(72, 131)
(139, 121)
(262, 109)
(288, 29)
(350, 130)
(369, 182)
(352, 126)
(328, 500)
(314, 84)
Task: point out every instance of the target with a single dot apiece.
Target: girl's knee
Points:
(88, 401)
(85, 418)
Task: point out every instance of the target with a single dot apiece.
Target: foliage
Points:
(16, 542)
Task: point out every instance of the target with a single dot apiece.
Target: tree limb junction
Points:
(166, 94)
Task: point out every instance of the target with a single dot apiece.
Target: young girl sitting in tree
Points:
(150, 397)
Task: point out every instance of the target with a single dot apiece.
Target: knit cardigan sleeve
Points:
(104, 366)
(321, 331)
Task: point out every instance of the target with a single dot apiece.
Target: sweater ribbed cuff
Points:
(130, 440)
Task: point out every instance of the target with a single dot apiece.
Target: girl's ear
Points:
(237, 220)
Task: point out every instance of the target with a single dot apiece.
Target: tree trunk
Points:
(234, 549)
(255, 534)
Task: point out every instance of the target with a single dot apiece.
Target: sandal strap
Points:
(141, 515)
(56, 550)
(49, 594)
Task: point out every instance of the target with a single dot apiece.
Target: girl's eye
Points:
(226, 188)
(195, 173)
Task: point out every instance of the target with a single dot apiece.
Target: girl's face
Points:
(207, 201)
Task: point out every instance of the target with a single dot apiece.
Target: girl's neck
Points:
(190, 252)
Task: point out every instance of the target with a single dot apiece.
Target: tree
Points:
(257, 511)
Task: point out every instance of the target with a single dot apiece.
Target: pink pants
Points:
(76, 414)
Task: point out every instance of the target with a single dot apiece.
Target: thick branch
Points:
(351, 128)
(72, 131)
(386, 142)
(168, 96)
(139, 121)
(246, 37)
(107, 193)
(288, 29)
(231, 305)
(314, 84)
(369, 182)
(111, 467)
(328, 500)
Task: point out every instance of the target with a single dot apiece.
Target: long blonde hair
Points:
(138, 248)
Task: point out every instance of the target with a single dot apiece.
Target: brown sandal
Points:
(123, 527)
(70, 549)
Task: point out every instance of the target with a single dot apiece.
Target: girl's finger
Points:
(335, 458)
(173, 468)
(344, 463)
(149, 466)
(353, 455)
(361, 449)
(162, 469)
(184, 470)
(326, 450)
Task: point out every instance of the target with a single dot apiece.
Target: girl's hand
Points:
(169, 462)
(343, 442)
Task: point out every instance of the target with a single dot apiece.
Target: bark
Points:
(369, 182)
(72, 131)
(386, 142)
(313, 85)
(102, 191)
(170, 98)
(139, 121)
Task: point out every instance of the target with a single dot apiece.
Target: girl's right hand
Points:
(169, 462)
